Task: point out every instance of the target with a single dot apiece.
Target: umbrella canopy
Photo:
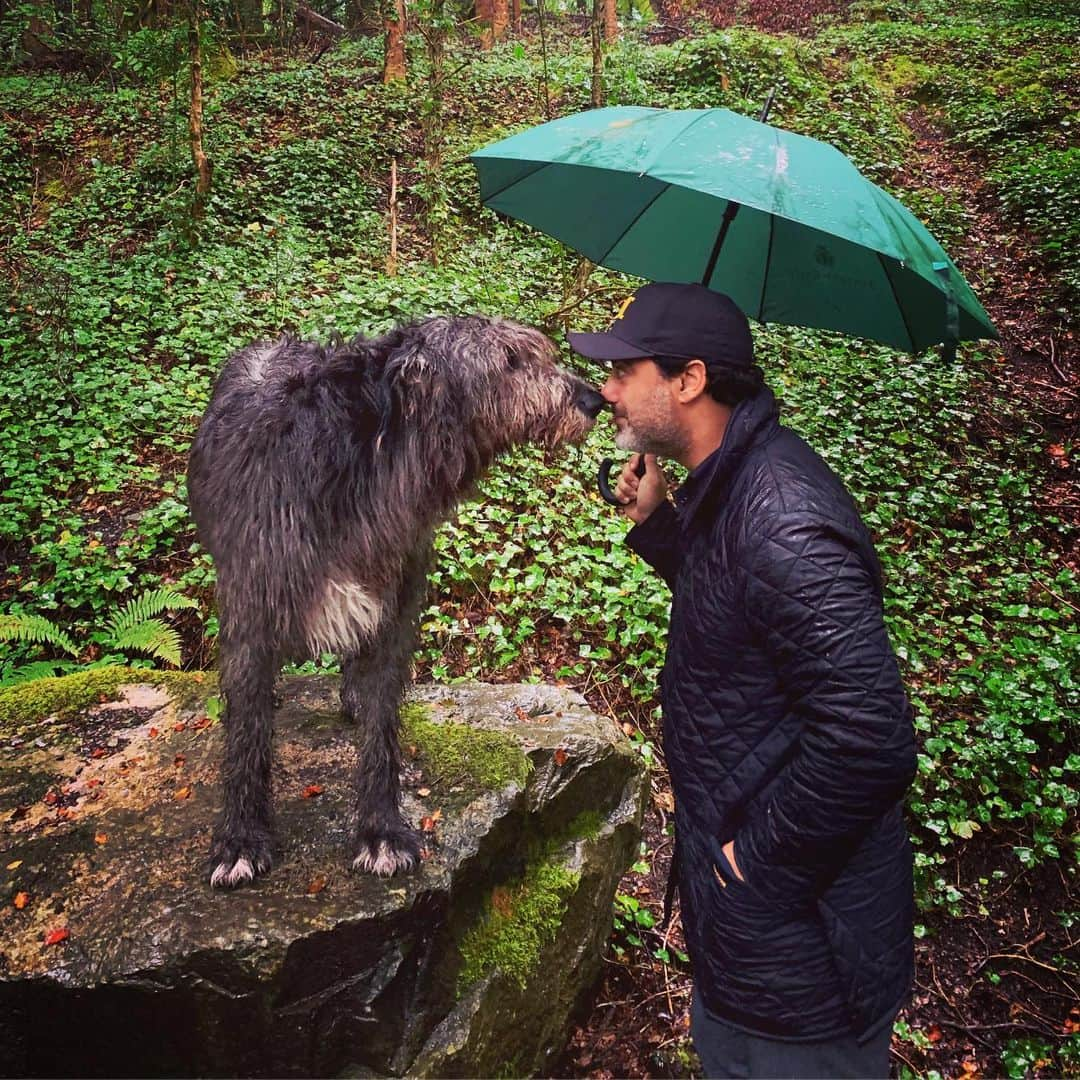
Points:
(808, 240)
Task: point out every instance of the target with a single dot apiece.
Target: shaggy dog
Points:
(316, 479)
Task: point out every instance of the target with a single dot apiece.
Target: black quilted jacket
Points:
(786, 728)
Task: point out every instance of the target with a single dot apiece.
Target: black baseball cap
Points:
(669, 319)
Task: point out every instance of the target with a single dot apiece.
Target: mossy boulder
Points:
(117, 959)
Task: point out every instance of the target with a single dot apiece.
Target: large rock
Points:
(117, 959)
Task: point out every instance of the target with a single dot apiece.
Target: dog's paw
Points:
(235, 864)
(386, 855)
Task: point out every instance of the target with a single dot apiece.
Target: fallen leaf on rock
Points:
(501, 900)
(202, 722)
(51, 798)
(423, 792)
(561, 757)
(428, 823)
(94, 782)
(934, 1034)
(182, 726)
(154, 733)
(184, 793)
(521, 715)
(312, 791)
(316, 885)
(21, 900)
(101, 838)
(178, 761)
(98, 752)
(54, 937)
(14, 865)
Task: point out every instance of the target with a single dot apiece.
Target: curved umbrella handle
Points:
(603, 481)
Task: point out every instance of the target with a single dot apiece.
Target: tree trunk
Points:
(431, 125)
(485, 17)
(394, 49)
(611, 21)
(203, 168)
(500, 18)
(596, 28)
(515, 15)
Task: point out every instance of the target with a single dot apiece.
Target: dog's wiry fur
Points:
(316, 479)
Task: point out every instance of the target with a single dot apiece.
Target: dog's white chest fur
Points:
(345, 618)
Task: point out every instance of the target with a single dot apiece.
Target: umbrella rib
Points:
(899, 306)
(517, 179)
(637, 217)
(765, 276)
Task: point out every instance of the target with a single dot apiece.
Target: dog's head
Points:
(495, 378)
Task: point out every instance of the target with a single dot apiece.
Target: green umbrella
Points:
(784, 224)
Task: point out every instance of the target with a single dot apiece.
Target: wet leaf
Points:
(101, 838)
(501, 900)
(312, 791)
(182, 726)
(521, 715)
(561, 757)
(51, 798)
(55, 936)
(21, 900)
(934, 1034)
(98, 752)
(154, 733)
(184, 792)
(316, 885)
(179, 760)
(14, 865)
(427, 824)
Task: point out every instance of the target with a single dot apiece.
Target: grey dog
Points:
(316, 479)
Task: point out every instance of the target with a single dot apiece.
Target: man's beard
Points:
(654, 431)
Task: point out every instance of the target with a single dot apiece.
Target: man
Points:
(787, 732)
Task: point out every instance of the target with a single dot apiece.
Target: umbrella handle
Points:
(603, 481)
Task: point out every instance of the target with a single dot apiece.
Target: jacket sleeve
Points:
(656, 540)
(813, 603)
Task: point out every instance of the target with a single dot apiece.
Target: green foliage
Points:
(123, 313)
(132, 628)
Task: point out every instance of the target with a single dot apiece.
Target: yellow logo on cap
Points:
(623, 306)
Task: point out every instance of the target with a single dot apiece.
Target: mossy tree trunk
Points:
(611, 21)
(597, 30)
(203, 167)
(484, 13)
(394, 41)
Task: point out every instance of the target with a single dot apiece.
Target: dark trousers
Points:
(727, 1051)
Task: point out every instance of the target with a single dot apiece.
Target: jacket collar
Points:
(753, 422)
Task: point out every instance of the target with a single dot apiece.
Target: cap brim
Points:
(605, 347)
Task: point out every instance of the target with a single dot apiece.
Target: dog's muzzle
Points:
(589, 402)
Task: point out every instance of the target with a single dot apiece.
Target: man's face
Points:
(646, 409)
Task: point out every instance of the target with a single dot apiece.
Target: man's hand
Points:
(729, 854)
(640, 496)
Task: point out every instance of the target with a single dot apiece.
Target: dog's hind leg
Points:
(373, 684)
(243, 835)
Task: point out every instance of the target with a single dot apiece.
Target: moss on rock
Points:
(28, 702)
(457, 752)
(63, 696)
(517, 923)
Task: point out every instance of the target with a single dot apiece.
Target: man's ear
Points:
(693, 382)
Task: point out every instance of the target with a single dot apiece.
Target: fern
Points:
(37, 629)
(136, 613)
(153, 637)
(37, 669)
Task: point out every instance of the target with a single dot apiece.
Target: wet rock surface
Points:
(117, 959)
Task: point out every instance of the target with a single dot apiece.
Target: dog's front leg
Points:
(242, 846)
(373, 685)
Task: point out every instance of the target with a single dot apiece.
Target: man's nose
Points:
(589, 401)
(607, 391)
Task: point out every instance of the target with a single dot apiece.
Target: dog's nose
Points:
(589, 402)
